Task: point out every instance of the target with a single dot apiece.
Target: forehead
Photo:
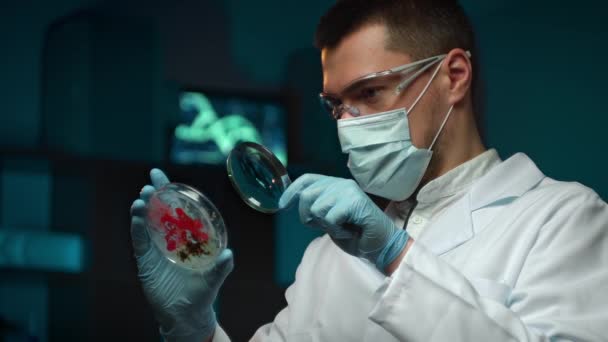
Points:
(358, 54)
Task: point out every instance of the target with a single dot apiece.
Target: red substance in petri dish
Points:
(182, 232)
(181, 228)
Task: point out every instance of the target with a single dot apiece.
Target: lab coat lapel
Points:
(451, 229)
(511, 179)
(508, 180)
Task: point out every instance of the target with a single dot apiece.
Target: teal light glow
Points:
(59, 252)
(225, 132)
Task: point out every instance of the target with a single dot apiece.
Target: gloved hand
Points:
(348, 215)
(182, 299)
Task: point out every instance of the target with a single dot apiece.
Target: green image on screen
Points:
(210, 127)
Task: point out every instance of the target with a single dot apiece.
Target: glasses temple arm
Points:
(431, 61)
(403, 84)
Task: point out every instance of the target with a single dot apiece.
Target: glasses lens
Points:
(329, 104)
(373, 95)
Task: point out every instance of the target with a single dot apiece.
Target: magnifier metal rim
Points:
(271, 158)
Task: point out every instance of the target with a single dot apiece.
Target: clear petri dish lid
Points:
(257, 175)
(185, 226)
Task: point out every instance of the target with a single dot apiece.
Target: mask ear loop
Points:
(447, 116)
(441, 127)
(425, 88)
(445, 120)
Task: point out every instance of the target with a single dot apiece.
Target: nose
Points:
(346, 115)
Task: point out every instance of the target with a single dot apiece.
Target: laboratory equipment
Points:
(257, 175)
(185, 226)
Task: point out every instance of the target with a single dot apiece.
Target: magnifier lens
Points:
(258, 176)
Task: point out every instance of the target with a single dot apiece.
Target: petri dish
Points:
(257, 175)
(185, 226)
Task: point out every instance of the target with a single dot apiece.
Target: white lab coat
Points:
(520, 257)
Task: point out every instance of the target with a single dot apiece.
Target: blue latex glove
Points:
(182, 299)
(348, 215)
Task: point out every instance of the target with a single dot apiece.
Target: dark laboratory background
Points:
(95, 93)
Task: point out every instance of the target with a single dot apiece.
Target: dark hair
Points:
(420, 28)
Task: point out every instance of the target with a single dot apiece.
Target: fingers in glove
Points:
(146, 192)
(139, 235)
(223, 266)
(292, 193)
(339, 215)
(158, 177)
(321, 206)
(308, 198)
(138, 208)
(319, 211)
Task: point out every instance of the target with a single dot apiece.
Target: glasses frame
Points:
(416, 68)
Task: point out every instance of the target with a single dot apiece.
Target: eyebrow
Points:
(349, 84)
(349, 89)
(358, 84)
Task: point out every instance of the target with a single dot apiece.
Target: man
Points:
(471, 248)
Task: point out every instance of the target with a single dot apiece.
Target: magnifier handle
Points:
(353, 228)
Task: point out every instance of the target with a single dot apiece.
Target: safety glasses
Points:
(377, 91)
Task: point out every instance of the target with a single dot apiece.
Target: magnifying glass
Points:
(258, 176)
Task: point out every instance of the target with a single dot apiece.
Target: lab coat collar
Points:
(458, 179)
(510, 179)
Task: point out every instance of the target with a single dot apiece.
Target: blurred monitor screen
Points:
(210, 125)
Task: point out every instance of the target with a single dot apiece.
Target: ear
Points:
(457, 67)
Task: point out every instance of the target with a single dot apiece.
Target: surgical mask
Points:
(381, 155)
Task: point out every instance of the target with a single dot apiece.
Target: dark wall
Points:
(545, 87)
